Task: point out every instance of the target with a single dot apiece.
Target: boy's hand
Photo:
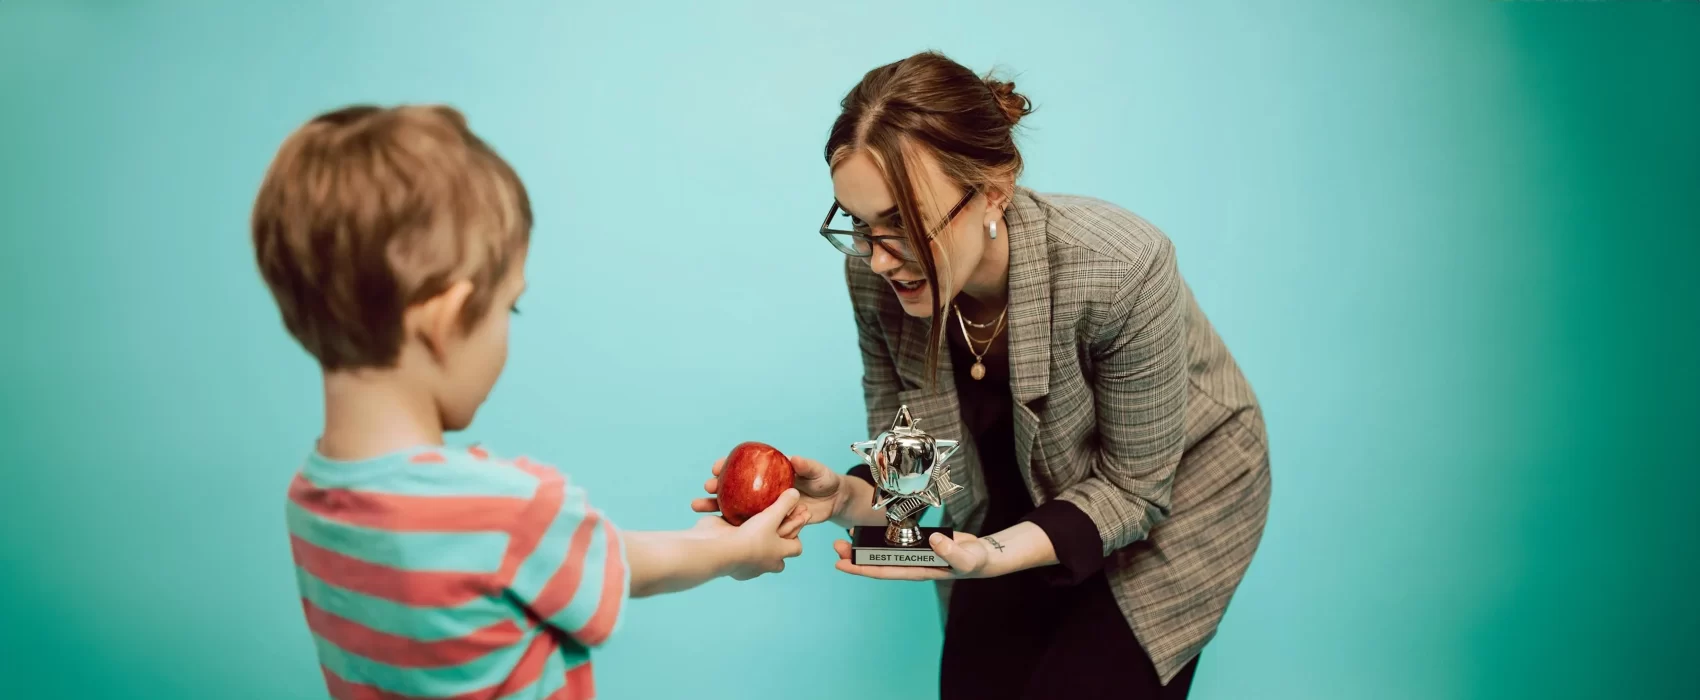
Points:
(760, 545)
(793, 523)
(822, 499)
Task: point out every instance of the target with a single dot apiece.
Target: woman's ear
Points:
(997, 198)
(436, 322)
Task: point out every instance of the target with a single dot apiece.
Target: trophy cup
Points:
(910, 473)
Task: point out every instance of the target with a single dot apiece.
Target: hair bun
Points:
(1014, 104)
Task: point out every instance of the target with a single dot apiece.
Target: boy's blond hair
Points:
(366, 211)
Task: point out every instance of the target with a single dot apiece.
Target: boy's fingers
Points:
(712, 485)
(794, 522)
(774, 514)
(793, 548)
(706, 505)
(799, 516)
(719, 464)
(787, 502)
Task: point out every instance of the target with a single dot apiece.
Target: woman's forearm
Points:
(1019, 547)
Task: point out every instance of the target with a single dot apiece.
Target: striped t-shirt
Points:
(448, 573)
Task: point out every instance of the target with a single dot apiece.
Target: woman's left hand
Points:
(967, 555)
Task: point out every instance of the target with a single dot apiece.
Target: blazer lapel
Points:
(912, 354)
(1029, 320)
(938, 412)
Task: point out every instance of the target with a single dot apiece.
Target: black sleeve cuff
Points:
(863, 472)
(1074, 537)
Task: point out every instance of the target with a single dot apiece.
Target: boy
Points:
(394, 243)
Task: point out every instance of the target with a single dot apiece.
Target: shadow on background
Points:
(1451, 243)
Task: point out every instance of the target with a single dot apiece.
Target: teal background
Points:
(1451, 243)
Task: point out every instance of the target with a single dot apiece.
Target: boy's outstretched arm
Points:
(576, 569)
(669, 562)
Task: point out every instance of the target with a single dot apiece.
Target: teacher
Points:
(1115, 464)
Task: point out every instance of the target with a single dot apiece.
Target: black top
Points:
(1049, 632)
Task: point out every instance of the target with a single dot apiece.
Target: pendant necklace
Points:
(978, 371)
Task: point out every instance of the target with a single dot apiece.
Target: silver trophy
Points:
(911, 472)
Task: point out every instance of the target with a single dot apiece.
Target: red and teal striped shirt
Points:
(448, 573)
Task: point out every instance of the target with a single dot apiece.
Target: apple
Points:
(751, 480)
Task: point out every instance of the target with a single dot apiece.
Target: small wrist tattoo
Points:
(993, 542)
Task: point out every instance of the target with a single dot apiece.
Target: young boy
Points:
(394, 243)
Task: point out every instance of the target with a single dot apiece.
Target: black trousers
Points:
(1018, 637)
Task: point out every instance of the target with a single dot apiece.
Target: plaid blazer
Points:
(1126, 404)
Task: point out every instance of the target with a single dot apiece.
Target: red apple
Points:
(751, 480)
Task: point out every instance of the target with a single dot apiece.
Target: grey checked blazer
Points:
(1126, 404)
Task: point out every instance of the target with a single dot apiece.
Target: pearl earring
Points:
(992, 229)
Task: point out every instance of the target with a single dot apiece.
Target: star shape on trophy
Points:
(920, 470)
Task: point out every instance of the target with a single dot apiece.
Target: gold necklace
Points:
(978, 371)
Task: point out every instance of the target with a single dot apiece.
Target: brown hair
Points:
(929, 101)
(366, 211)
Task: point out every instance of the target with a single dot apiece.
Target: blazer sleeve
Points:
(1140, 389)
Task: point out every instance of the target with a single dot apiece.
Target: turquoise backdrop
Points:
(1452, 243)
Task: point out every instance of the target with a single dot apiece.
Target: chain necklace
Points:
(978, 371)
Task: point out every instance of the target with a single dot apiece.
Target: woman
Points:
(1115, 460)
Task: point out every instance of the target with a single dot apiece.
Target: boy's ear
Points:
(437, 321)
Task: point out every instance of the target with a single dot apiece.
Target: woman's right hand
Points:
(821, 490)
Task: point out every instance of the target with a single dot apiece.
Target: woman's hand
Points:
(968, 556)
(821, 489)
(1019, 547)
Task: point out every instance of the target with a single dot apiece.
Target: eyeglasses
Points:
(856, 241)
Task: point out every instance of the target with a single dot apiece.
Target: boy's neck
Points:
(372, 413)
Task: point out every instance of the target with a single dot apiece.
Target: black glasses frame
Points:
(829, 233)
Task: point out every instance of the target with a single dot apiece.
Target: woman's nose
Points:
(882, 261)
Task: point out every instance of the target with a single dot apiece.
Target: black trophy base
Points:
(869, 548)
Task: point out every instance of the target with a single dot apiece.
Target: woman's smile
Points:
(910, 291)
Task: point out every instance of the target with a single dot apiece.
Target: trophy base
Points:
(868, 547)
